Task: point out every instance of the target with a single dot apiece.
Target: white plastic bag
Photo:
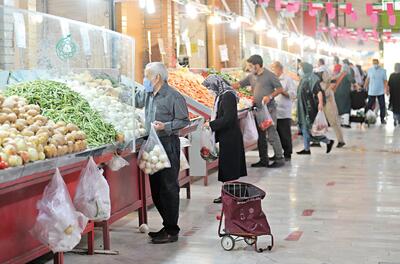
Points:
(117, 163)
(92, 197)
(184, 164)
(320, 126)
(249, 130)
(152, 156)
(208, 149)
(58, 225)
(264, 118)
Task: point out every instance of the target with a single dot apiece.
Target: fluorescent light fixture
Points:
(214, 19)
(235, 23)
(191, 11)
(150, 7)
(142, 4)
(274, 33)
(260, 25)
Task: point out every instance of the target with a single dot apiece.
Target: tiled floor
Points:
(351, 198)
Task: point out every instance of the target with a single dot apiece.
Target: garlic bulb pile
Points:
(122, 116)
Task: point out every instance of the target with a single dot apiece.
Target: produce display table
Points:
(125, 194)
(20, 190)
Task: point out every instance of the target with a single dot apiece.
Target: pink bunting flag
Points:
(296, 7)
(360, 32)
(374, 19)
(332, 14)
(390, 9)
(329, 7)
(349, 8)
(369, 9)
(278, 5)
(311, 11)
(290, 8)
(354, 16)
(392, 20)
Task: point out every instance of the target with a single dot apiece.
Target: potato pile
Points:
(27, 136)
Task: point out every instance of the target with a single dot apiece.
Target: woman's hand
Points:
(320, 107)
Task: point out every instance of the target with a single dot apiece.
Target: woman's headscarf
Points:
(217, 84)
(309, 76)
(397, 68)
(220, 86)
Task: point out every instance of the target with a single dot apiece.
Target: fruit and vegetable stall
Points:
(66, 111)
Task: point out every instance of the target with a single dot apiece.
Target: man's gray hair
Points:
(157, 68)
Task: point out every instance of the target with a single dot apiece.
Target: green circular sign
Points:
(66, 48)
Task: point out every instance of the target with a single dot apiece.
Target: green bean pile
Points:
(59, 103)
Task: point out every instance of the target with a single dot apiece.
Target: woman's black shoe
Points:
(341, 144)
(330, 145)
(218, 200)
(260, 164)
(304, 152)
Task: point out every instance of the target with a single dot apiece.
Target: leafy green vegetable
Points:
(59, 103)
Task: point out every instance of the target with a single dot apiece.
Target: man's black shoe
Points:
(288, 158)
(156, 234)
(277, 163)
(165, 238)
(304, 152)
(259, 164)
(330, 145)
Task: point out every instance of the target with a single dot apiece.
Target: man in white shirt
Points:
(284, 109)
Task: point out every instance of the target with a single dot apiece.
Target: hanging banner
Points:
(20, 33)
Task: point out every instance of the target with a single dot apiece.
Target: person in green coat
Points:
(310, 101)
(343, 92)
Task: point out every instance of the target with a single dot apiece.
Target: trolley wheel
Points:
(227, 243)
(269, 248)
(250, 241)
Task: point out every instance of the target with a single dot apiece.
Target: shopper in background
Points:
(363, 75)
(265, 86)
(225, 124)
(377, 84)
(284, 109)
(166, 109)
(330, 108)
(394, 89)
(343, 92)
(310, 100)
(337, 68)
